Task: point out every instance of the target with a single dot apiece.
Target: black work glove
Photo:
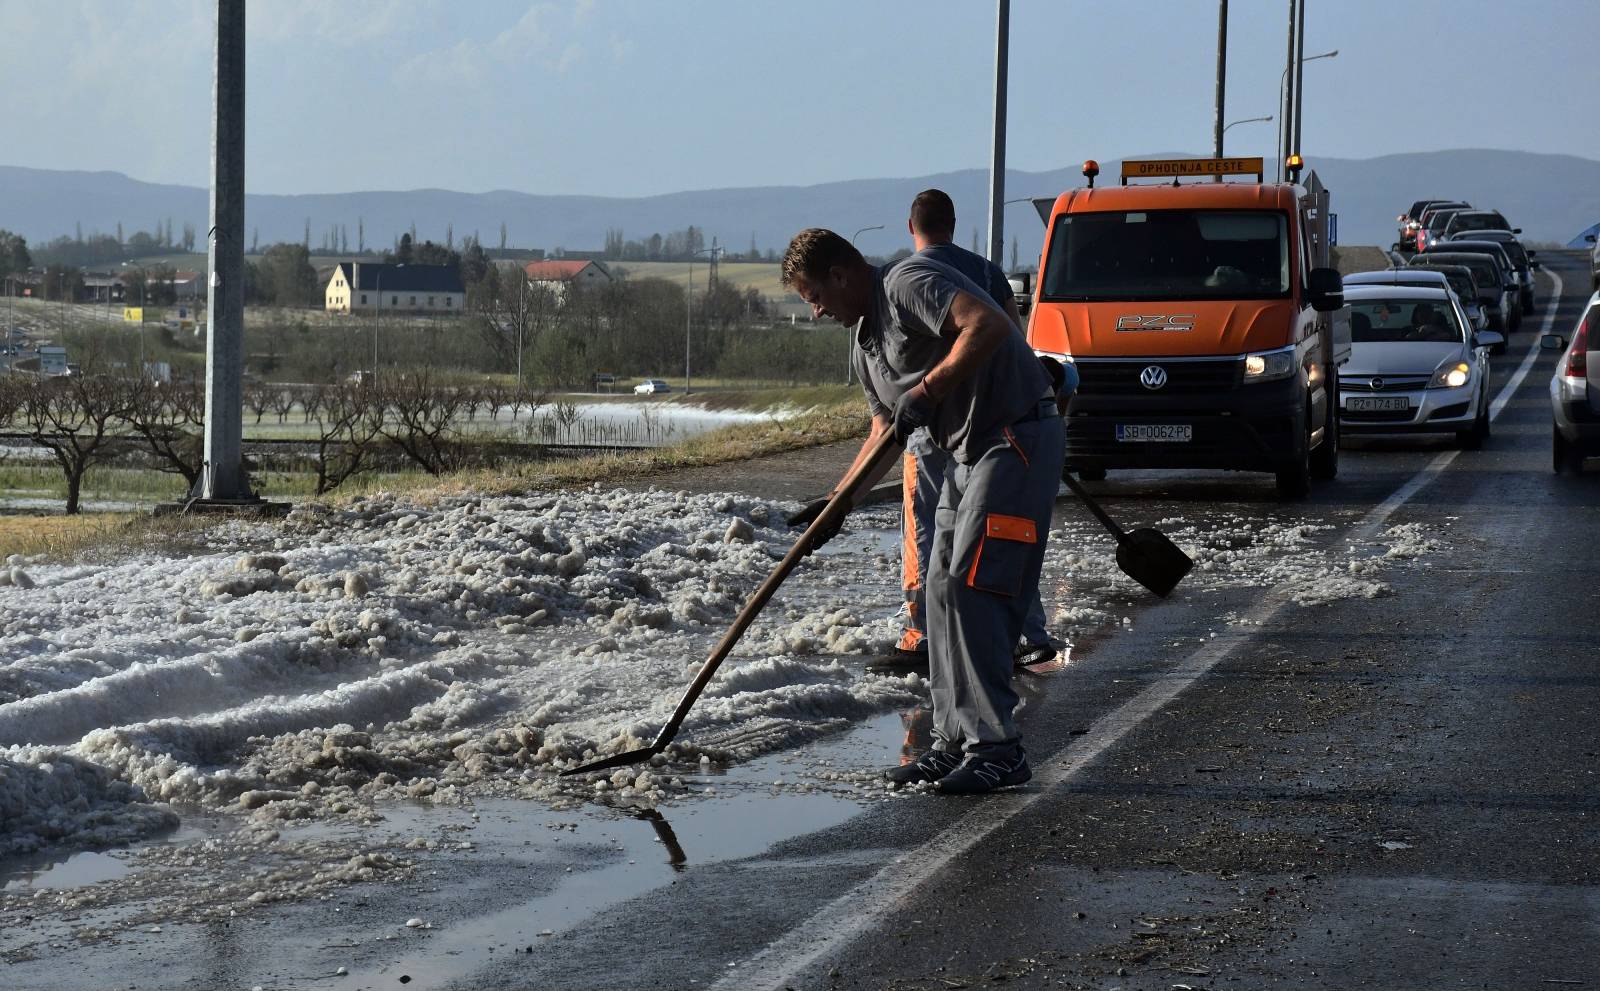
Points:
(827, 533)
(809, 513)
(914, 409)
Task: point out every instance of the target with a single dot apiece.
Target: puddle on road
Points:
(55, 870)
(621, 856)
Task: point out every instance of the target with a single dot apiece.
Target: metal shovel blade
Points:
(1150, 559)
(615, 760)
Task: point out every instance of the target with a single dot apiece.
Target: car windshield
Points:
(1438, 221)
(1385, 321)
(1168, 254)
(1464, 285)
(1519, 257)
(1479, 222)
(1484, 271)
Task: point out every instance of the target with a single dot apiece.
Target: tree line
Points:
(91, 420)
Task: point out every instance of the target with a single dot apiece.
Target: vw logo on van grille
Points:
(1153, 377)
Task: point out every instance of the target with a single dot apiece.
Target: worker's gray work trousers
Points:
(922, 483)
(988, 549)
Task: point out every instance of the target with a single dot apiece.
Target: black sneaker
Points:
(931, 766)
(978, 775)
(1029, 654)
(900, 661)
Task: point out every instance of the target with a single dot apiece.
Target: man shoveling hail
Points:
(933, 351)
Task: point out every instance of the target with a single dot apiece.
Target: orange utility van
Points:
(1203, 319)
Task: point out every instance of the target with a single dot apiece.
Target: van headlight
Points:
(1269, 366)
(1451, 376)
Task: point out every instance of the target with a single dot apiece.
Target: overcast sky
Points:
(634, 97)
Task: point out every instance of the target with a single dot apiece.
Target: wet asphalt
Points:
(1389, 793)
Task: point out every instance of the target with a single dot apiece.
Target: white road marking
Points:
(851, 915)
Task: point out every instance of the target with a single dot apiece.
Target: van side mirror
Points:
(1553, 342)
(1325, 290)
(1516, 230)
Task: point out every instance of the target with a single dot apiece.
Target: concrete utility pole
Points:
(1299, 75)
(997, 166)
(223, 477)
(1286, 110)
(1222, 77)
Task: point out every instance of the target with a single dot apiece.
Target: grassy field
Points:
(761, 276)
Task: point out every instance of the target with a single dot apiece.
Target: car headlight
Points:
(1063, 358)
(1269, 366)
(1451, 376)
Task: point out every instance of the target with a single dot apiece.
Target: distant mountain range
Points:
(1552, 197)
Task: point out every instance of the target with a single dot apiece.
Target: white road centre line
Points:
(852, 915)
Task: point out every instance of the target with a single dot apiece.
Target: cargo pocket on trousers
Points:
(1002, 554)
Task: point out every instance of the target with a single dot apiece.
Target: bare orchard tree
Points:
(495, 397)
(258, 399)
(72, 417)
(470, 399)
(347, 433)
(168, 419)
(282, 399)
(419, 418)
(10, 399)
(311, 400)
(526, 396)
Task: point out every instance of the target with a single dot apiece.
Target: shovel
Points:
(1145, 554)
(836, 509)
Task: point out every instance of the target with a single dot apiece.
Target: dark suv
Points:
(1411, 221)
(1433, 221)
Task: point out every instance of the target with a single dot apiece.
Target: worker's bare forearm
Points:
(978, 330)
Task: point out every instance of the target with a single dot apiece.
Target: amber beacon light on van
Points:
(1178, 168)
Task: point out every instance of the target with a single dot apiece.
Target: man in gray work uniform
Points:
(932, 226)
(933, 351)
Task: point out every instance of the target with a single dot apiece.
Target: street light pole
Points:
(224, 476)
(1222, 76)
(997, 164)
(1285, 107)
(1283, 99)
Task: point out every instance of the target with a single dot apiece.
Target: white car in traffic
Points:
(1416, 366)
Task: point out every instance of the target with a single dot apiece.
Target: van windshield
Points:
(1168, 254)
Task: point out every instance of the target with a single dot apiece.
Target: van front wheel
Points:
(1325, 459)
(1294, 478)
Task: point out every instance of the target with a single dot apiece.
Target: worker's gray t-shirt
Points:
(899, 341)
(985, 273)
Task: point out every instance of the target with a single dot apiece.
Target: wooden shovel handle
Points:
(837, 508)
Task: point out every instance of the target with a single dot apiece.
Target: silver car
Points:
(1415, 366)
(1575, 392)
